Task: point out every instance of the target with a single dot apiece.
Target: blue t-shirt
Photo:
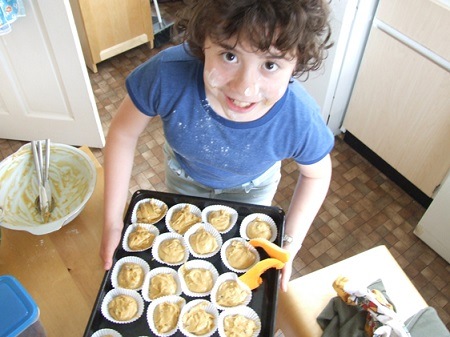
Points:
(214, 151)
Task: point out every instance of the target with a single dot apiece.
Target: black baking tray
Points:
(264, 298)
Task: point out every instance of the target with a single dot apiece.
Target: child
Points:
(230, 111)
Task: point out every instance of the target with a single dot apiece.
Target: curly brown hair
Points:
(294, 27)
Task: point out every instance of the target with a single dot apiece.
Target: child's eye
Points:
(270, 66)
(229, 57)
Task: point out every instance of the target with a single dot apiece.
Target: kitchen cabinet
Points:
(109, 27)
(400, 104)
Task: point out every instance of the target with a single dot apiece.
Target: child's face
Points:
(242, 85)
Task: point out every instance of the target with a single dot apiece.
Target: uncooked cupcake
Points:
(239, 325)
(123, 308)
(165, 316)
(162, 285)
(203, 242)
(239, 255)
(259, 229)
(197, 320)
(220, 219)
(150, 211)
(183, 219)
(197, 280)
(172, 251)
(231, 294)
(140, 238)
(130, 276)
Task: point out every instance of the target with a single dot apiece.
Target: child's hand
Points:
(110, 241)
(286, 273)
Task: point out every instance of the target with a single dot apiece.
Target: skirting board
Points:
(388, 170)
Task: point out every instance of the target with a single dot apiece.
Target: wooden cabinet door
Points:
(109, 27)
(400, 109)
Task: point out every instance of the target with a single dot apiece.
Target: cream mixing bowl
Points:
(72, 177)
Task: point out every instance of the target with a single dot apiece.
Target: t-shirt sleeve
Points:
(143, 85)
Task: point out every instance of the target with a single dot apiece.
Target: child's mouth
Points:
(240, 105)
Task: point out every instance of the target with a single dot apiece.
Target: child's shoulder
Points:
(175, 54)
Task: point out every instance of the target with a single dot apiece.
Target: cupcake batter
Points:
(123, 308)
(197, 321)
(203, 242)
(150, 212)
(230, 294)
(183, 220)
(220, 219)
(259, 229)
(166, 316)
(239, 325)
(141, 238)
(171, 251)
(162, 285)
(239, 255)
(131, 276)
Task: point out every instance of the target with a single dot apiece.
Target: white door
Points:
(44, 86)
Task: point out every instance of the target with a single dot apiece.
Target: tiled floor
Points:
(363, 208)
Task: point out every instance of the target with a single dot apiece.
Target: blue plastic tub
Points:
(19, 313)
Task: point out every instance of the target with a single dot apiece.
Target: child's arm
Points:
(121, 142)
(312, 187)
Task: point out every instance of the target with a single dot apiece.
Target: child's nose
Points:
(246, 83)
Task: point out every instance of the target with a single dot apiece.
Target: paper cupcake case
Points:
(229, 276)
(167, 236)
(154, 272)
(110, 295)
(209, 308)
(128, 259)
(233, 215)
(131, 228)
(162, 205)
(210, 229)
(193, 264)
(106, 332)
(246, 244)
(178, 207)
(151, 309)
(241, 310)
(263, 217)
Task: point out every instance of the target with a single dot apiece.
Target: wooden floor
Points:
(363, 208)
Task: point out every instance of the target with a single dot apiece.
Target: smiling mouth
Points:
(241, 104)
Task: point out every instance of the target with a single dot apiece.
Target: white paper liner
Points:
(210, 308)
(110, 295)
(197, 264)
(241, 310)
(131, 228)
(224, 257)
(229, 276)
(210, 229)
(166, 236)
(106, 332)
(151, 309)
(175, 208)
(154, 272)
(212, 208)
(157, 202)
(128, 259)
(263, 217)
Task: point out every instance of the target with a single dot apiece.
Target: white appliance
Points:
(331, 85)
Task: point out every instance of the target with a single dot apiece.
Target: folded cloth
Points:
(371, 314)
(341, 318)
(426, 323)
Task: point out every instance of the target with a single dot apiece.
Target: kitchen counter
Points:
(62, 270)
(308, 295)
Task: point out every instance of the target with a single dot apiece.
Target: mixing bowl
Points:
(72, 178)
